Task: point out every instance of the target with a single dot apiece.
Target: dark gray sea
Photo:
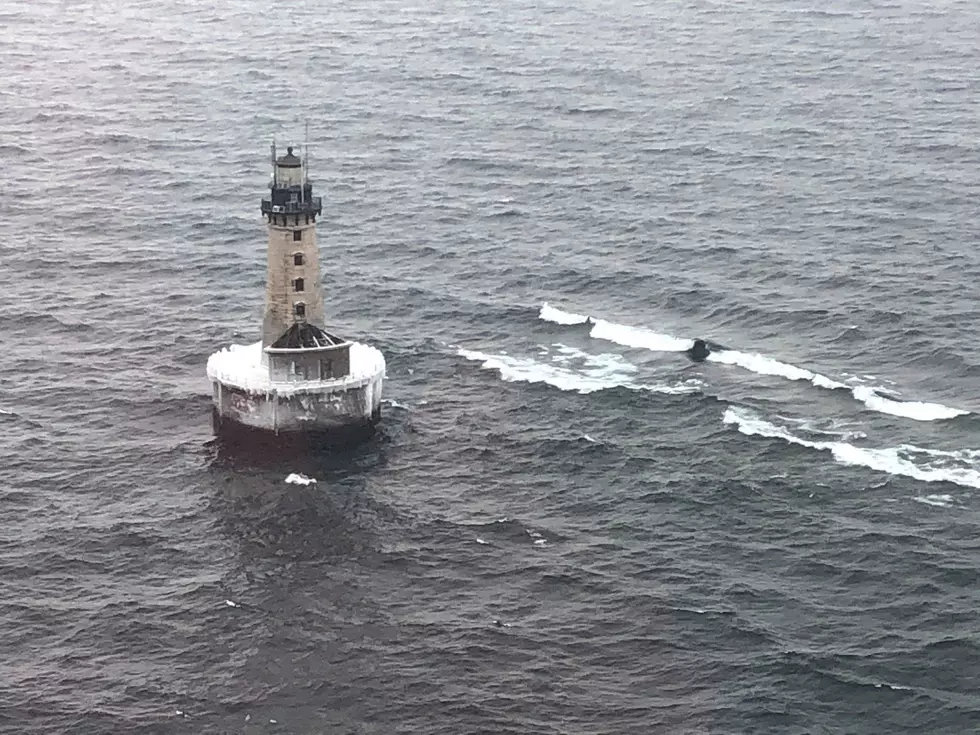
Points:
(563, 525)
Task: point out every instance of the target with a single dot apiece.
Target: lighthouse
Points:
(300, 377)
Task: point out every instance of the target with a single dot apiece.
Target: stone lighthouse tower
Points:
(299, 377)
(292, 295)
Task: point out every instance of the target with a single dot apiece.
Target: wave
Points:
(621, 334)
(638, 337)
(917, 410)
(763, 365)
(593, 373)
(928, 465)
(551, 314)
(296, 478)
(870, 396)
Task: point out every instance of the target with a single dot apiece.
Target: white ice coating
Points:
(240, 366)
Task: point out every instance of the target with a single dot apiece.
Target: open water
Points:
(530, 207)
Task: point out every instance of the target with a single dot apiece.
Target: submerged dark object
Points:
(699, 351)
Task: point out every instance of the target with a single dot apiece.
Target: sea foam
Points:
(641, 338)
(593, 373)
(940, 466)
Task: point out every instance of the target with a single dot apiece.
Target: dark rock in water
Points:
(700, 351)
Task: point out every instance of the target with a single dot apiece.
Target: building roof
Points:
(304, 334)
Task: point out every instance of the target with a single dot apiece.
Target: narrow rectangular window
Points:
(300, 310)
(298, 285)
(297, 235)
(297, 258)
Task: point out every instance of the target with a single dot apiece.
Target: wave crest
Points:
(927, 465)
(641, 338)
(573, 370)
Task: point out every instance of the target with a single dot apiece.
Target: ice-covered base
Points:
(245, 394)
(240, 366)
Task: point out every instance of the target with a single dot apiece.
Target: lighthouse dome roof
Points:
(290, 160)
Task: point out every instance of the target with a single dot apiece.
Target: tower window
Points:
(297, 235)
(297, 258)
(300, 310)
(298, 284)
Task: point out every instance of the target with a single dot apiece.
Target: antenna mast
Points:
(274, 161)
(306, 153)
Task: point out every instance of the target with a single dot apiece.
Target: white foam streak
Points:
(869, 396)
(551, 314)
(638, 337)
(892, 460)
(907, 409)
(688, 386)
(767, 366)
(598, 372)
(621, 334)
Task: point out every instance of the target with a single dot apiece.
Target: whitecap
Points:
(645, 339)
(892, 460)
(551, 314)
(620, 334)
(595, 373)
(296, 478)
(638, 337)
(917, 410)
(763, 365)
(678, 389)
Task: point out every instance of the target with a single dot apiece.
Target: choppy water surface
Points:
(533, 208)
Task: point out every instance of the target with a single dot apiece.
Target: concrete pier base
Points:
(258, 445)
(246, 398)
(319, 409)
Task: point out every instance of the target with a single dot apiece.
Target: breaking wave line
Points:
(958, 467)
(639, 337)
(595, 373)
